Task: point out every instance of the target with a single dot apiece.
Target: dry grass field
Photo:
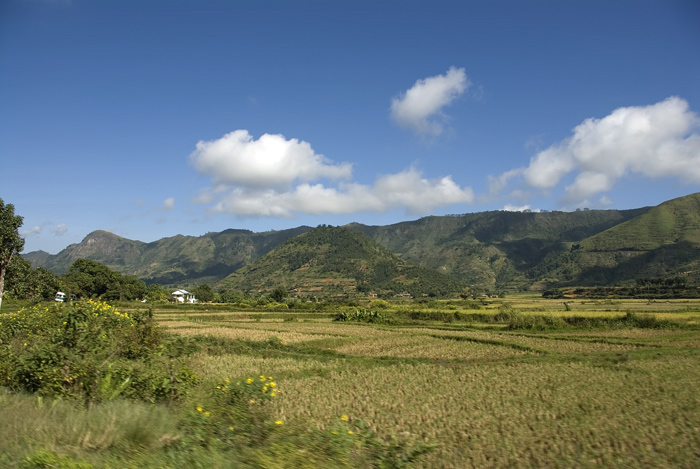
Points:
(484, 395)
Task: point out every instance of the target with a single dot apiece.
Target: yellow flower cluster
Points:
(267, 385)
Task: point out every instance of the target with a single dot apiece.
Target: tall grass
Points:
(33, 424)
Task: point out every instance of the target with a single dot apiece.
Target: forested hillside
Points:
(495, 250)
(664, 241)
(175, 260)
(339, 261)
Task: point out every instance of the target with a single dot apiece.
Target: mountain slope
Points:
(663, 241)
(330, 261)
(169, 261)
(503, 250)
(492, 248)
(118, 253)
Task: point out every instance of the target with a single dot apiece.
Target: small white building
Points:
(183, 296)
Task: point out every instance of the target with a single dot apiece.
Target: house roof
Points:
(181, 292)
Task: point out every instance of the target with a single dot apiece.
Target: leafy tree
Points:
(228, 296)
(203, 293)
(155, 293)
(91, 279)
(17, 278)
(279, 294)
(10, 240)
(27, 283)
(128, 288)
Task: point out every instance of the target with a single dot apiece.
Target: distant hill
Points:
(663, 241)
(169, 261)
(330, 261)
(494, 250)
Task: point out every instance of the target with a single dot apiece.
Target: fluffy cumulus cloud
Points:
(271, 161)
(659, 140)
(420, 107)
(276, 177)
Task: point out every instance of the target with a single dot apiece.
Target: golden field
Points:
(484, 395)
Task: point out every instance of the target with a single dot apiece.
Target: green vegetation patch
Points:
(90, 350)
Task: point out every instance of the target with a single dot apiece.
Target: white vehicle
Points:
(63, 298)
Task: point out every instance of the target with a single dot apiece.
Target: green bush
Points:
(362, 315)
(379, 304)
(90, 350)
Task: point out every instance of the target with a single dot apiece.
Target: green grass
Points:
(611, 389)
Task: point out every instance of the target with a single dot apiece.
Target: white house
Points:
(183, 296)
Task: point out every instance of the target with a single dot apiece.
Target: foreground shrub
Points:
(89, 350)
(362, 315)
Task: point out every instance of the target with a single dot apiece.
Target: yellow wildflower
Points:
(344, 418)
(199, 408)
(279, 422)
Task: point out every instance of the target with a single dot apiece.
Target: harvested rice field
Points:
(481, 394)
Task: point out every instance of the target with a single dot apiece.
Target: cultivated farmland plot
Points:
(485, 395)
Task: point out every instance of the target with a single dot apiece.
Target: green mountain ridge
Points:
(174, 260)
(494, 250)
(338, 261)
(663, 241)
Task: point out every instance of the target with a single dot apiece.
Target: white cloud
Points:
(497, 184)
(270, 161)
(420, 107)
(291, 181)
(31, 231)
(168, 204)
(659, 140)
(56, 230)
(59, 230)
(520, 208)
(419, 195)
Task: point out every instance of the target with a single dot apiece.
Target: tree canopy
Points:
(88, 278)
(10, 240)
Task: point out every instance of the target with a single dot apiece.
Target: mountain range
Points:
(492, 250)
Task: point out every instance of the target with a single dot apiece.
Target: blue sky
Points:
(156, 118)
